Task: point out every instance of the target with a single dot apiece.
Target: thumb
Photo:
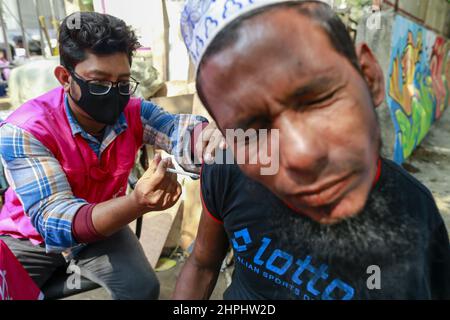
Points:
(153, 166)
(155, 163)
(160, 171)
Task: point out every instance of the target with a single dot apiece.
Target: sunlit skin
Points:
(321, 105)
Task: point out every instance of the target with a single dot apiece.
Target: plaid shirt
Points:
(41, 185)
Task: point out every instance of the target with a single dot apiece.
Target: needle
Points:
(191, 175)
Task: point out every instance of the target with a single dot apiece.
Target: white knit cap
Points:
(202, 20)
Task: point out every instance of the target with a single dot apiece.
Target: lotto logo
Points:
(279, 262)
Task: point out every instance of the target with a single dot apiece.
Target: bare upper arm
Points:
(211, 244)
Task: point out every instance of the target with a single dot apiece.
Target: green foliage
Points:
(353, 8)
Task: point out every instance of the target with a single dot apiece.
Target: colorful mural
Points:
(418, 87)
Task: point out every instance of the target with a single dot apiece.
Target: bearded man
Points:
(336, 221)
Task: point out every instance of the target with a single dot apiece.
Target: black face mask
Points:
(105, 108)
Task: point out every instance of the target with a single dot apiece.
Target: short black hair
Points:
(97, 33)
(319, 11)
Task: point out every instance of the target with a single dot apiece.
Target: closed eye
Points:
(259, 122)
(318, 101)
(324, 98)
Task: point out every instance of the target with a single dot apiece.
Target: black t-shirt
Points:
(396, 248)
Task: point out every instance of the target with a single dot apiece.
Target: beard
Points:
(384, 234)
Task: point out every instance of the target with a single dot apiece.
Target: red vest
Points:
(90, 179)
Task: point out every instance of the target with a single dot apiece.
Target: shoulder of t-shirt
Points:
(215, 183)
(408, 178)
(416, 191)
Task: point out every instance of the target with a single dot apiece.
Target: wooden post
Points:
(36, 7)
(166, 25)
(5, 35)
(44, 29)
(22, 29)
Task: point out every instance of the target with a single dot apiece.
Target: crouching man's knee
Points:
(145, 287)
(136, 286)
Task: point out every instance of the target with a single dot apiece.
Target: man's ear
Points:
(372, 73)
(63, 76)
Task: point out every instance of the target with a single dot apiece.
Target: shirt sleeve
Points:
(83, 228)
(41, 186)
(210, 192)
(170, 132)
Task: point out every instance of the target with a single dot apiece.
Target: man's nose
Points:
(303, 150)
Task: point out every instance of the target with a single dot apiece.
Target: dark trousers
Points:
(118, 264)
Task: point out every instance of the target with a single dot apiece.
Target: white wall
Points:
(178, 55)
(148, 20)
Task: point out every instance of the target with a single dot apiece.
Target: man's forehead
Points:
(259, 56)
(283, 34)
(105, 66)
(275, 24)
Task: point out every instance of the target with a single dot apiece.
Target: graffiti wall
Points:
(418, 87)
